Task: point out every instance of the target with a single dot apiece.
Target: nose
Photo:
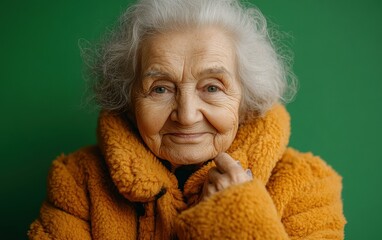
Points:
(187, 109)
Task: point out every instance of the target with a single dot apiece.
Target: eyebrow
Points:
(215, 70)
(155, 73)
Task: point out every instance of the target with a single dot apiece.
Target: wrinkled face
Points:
(186, 103)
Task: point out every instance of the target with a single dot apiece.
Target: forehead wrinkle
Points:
(211, 62)
(158, 61)
(155, 73)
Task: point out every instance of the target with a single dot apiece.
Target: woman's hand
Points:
(228, 172)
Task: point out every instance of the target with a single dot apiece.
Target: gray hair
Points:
(264, 73)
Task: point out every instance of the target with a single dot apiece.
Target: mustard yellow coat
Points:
(120, 190)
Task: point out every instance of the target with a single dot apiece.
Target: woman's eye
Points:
(212, 89)
(159, 90)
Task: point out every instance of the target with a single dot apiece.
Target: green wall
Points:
(336, 113)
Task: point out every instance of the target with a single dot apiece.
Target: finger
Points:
(226, 164)
(208, 190)
(249, 173)
(219, 180)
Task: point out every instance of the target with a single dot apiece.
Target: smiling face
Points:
(186, 102)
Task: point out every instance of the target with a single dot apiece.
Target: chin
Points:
(189, 159)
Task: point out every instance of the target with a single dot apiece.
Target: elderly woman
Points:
(192, 139)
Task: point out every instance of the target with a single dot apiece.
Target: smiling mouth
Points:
(187, 138)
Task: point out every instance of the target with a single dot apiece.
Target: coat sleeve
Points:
(302, 200)
(65, 213)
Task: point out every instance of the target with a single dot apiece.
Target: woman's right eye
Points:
(159, 89)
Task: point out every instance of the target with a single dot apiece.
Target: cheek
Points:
(150, 117)
(224, 118)
(223, 112)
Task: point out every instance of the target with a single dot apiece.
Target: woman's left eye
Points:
(212, 88)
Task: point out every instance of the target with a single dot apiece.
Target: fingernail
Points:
(249, 172)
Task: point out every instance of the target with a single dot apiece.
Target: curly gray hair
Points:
(265, 74)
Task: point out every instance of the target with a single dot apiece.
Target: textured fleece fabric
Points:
(120, 190)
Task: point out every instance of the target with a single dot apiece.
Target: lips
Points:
(186, 138)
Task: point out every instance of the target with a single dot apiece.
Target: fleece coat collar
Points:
(141, 177)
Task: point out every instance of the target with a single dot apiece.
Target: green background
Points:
(336, 114)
